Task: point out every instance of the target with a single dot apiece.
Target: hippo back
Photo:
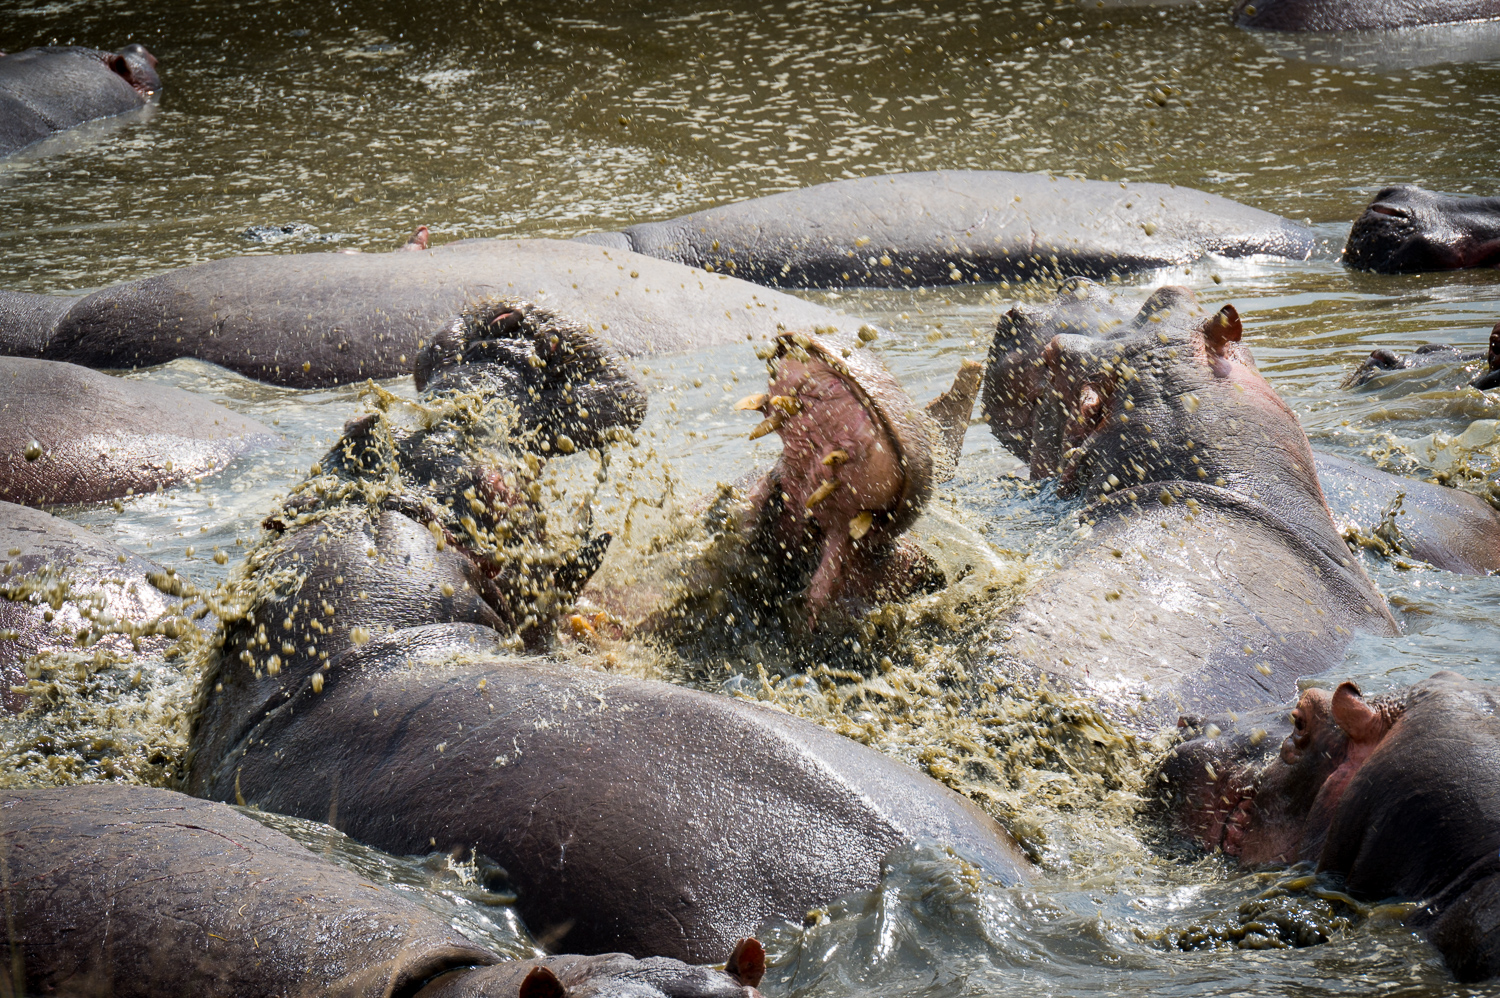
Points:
(632, 815)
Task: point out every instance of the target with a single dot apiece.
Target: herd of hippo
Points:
(391, 662)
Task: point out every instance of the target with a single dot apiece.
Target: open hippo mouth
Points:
(505, 386)
(857, 459)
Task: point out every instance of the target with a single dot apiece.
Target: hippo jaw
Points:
(1408, 230)
(1266, 804)
(856, 463)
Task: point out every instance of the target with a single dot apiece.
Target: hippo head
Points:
(1170, 395)
(135, 66)
(1408, 230)
(505, 386)
(1399, 795)
(1383, 361)
(858, 458)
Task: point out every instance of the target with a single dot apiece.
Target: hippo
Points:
(1447, 528)
(399, 631)
(1207, 573)
(1399, 795)
(72, 435)
(921, 229)
(1429, 355)
(1408, 230)
(118, 890)
(53, 88)
(66, 588)
(1347, 15)
(312, 320)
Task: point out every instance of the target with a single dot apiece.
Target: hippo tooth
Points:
(786, 404)
(835, 458)
(860, 525)
(756, 401)
(770, 424)
(823, 491)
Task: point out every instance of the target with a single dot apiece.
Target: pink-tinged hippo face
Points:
(1171, 395)
(1407, 230)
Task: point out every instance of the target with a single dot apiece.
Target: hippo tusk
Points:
(786, 404)
(835, 458)
(757, 401)
(860, 525)
(823, 491)
(770, 424)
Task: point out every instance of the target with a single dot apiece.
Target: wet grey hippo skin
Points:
(912, 229)
(70, 435)
(52, 574)
(649, 817)
(316, 319)
(1210, 574)
(1447, 528)
(131, 891)
(1399, 794)
(1346, 15)
(1408, 230)
(47, 90)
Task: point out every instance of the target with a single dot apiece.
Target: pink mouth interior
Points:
(829, 415)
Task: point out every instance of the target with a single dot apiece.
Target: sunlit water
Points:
(363, 120)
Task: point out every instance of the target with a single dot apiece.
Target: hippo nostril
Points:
(1389, 210)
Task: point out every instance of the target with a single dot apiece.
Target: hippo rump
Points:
(130, 891)
(1408, 230)
(1349, 15)
(1399, 795)
(52, 88)
(914, 229)
(311, 320)
(398, 612)
(68, 589)
(1207, 573)
(72, 435)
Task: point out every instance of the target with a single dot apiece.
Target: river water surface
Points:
(351, 123)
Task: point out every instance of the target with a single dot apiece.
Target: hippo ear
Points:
(541, 983)
(1361, 722)
(747, 962)
(1221, 330)
(1494, 357)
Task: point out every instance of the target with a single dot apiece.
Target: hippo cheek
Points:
(1071, 412)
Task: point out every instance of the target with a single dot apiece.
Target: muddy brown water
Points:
(360, 120)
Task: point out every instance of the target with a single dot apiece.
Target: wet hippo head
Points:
(1171, 395)
(505, 386)
(1400, 795)
(1407, 230)
(857, 456)
(135, 66)
(1383, 361)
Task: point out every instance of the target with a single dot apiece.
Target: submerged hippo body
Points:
(1448, 529)
(47, 90)
(54, 574)
(399, 589)
(130, 891)
(1398, 794)
(316, 319)
(70, 435)
(1408, 230)
(1347, 15)
(914, 229)
(1207, 573)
